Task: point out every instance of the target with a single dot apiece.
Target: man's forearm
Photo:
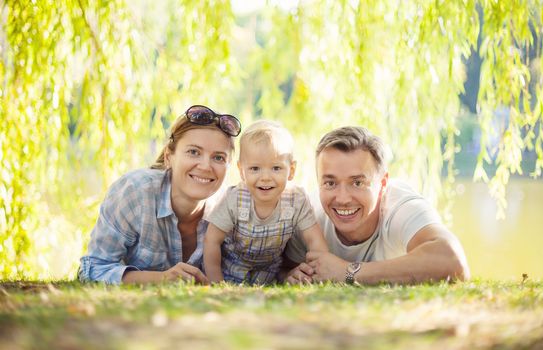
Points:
(433, 260)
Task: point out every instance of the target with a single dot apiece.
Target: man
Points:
(377, 229)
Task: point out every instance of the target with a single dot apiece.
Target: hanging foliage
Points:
(88, 87)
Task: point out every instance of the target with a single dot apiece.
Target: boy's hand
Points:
(301, 274)
(185, 272)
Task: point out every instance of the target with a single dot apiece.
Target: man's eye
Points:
(329, 184)
(358, 183)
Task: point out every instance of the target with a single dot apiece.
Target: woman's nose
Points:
(205, 163)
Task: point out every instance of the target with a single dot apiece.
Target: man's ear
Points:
(241, 174)
(384, 181)
(292, 170)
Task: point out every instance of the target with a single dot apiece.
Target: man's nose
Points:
(343, 195)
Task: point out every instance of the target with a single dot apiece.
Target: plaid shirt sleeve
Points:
(115, 232)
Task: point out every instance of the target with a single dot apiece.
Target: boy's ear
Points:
(292, 170)
(241, 174)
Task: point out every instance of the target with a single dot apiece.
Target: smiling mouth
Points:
(265, 188)
(346, 212)
(201, 179)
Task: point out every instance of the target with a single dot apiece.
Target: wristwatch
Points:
(352, 268)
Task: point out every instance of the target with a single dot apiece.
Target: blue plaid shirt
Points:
(137, 230)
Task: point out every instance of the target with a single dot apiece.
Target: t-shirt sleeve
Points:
(305, 216)
(408, 219)
(223, 214)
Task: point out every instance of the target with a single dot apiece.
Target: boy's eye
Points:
(253, 168)
(276, 168)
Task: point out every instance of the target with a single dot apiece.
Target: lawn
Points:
(476, 314)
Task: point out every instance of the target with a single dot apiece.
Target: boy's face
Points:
(265, 172)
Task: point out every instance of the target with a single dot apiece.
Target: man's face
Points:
(350, 188)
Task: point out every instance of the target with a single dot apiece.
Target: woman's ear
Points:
(167, 157)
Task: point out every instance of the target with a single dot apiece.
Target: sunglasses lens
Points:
(230, 124)
(200, 115)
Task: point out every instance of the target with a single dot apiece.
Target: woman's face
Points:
(198, 164)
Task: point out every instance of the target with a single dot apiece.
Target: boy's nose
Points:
(266, 174)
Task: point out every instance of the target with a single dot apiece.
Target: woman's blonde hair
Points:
(178, 129)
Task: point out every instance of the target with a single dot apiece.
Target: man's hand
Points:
(301, 274)
(327, 266)
(185, 272)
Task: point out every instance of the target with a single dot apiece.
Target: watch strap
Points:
(352, 269)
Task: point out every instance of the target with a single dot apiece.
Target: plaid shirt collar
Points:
(164, 205)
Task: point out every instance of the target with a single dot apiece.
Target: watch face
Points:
(353, 267)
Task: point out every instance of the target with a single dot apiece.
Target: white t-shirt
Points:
(403, 213)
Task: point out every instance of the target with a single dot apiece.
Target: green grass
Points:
(477, 314)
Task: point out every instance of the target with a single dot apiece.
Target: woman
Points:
(152, 221)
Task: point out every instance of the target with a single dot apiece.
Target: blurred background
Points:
(89, 88)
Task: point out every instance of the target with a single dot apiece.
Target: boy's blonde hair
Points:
(270, 133)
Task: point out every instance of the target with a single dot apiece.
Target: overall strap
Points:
(244, 204)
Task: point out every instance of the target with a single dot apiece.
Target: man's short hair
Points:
(352, 138)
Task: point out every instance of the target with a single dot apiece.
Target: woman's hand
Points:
(185, 272)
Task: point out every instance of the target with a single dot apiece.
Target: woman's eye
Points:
(193, 152)
(219, 158)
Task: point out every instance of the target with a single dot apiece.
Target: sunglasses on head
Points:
(202, 115)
